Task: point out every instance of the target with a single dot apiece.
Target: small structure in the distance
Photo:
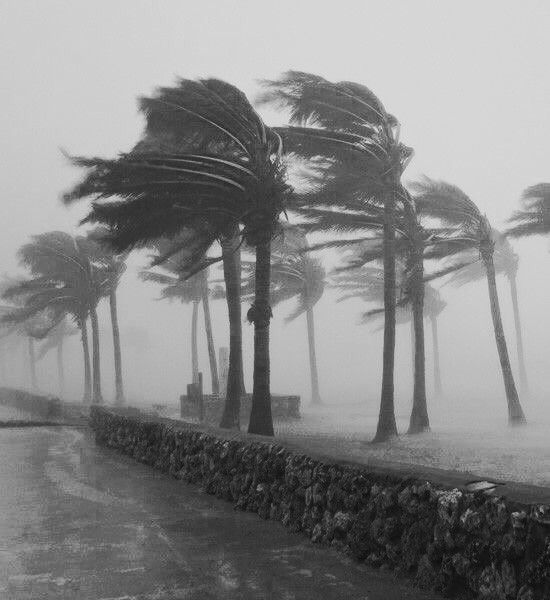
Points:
(209, 407)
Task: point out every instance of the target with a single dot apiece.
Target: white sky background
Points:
(469, 82)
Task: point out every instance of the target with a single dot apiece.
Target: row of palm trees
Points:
(208, 170)
(68, 276)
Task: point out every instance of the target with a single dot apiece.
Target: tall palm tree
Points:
(506, 262)
(533, 218)
(226, 173)
(112, 267)
(194, 289)
(54, 340)
(455, 209)
(295, 274)
(346, 129)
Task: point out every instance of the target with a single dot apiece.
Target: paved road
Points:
(81, 522)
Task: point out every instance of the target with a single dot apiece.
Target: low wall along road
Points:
(468, 544)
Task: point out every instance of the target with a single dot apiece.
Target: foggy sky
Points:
(468, 81)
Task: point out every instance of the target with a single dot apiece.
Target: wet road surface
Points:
(81, 522)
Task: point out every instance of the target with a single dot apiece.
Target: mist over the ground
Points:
(469, 83)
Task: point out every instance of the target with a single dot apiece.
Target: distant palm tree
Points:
(506, 262)
(433, 307)
(111, 266)
(227, 172)
(533, 218)
(454, 208)
(193, 289)
(54, 341)
(345, 129)
(63, 280)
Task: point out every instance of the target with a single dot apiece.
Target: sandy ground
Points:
(481, 444)
(485, 447)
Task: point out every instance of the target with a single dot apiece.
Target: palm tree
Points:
(455, 209)
(295, 274)
(227, 172)
(63, 280)
(345, 128)
(112, 267)
(533, 218)
(193, 289)
(54, 341)
(433, 307)
(506, 262)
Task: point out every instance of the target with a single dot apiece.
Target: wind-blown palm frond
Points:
(223, 168)
(534, 216)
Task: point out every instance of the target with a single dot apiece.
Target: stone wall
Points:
(462, 544)
(45, 407)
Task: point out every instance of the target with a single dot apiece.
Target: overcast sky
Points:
(468, 80)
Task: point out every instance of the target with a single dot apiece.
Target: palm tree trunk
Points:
(438, 388)
(119, 387)
(2, 366)
(515, 412)
(87, 369)
(412, 346)
(519, 335)
(210, 342)
(194, 350)
(315, 396)
(387, 427)
(261, 420)
(232, 276)
(32, 364)
(419, 420)
(60, 368)
(96, 363)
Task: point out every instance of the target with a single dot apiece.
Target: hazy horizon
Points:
(468, 83)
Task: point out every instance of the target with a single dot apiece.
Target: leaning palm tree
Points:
(533, 218)
(111, 266)
(63, 279)
(227, 172)
(345, 129)
(451, 206)
(433, 307)
(54, 340)
(194, 290)
(506, 262)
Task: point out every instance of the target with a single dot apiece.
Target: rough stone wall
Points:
(46, 407)
(466, 545)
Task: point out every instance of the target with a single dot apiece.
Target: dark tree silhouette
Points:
(227, 172)
(346, 129)
(296, 275)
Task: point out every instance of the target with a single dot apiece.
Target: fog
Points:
(468, 81)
